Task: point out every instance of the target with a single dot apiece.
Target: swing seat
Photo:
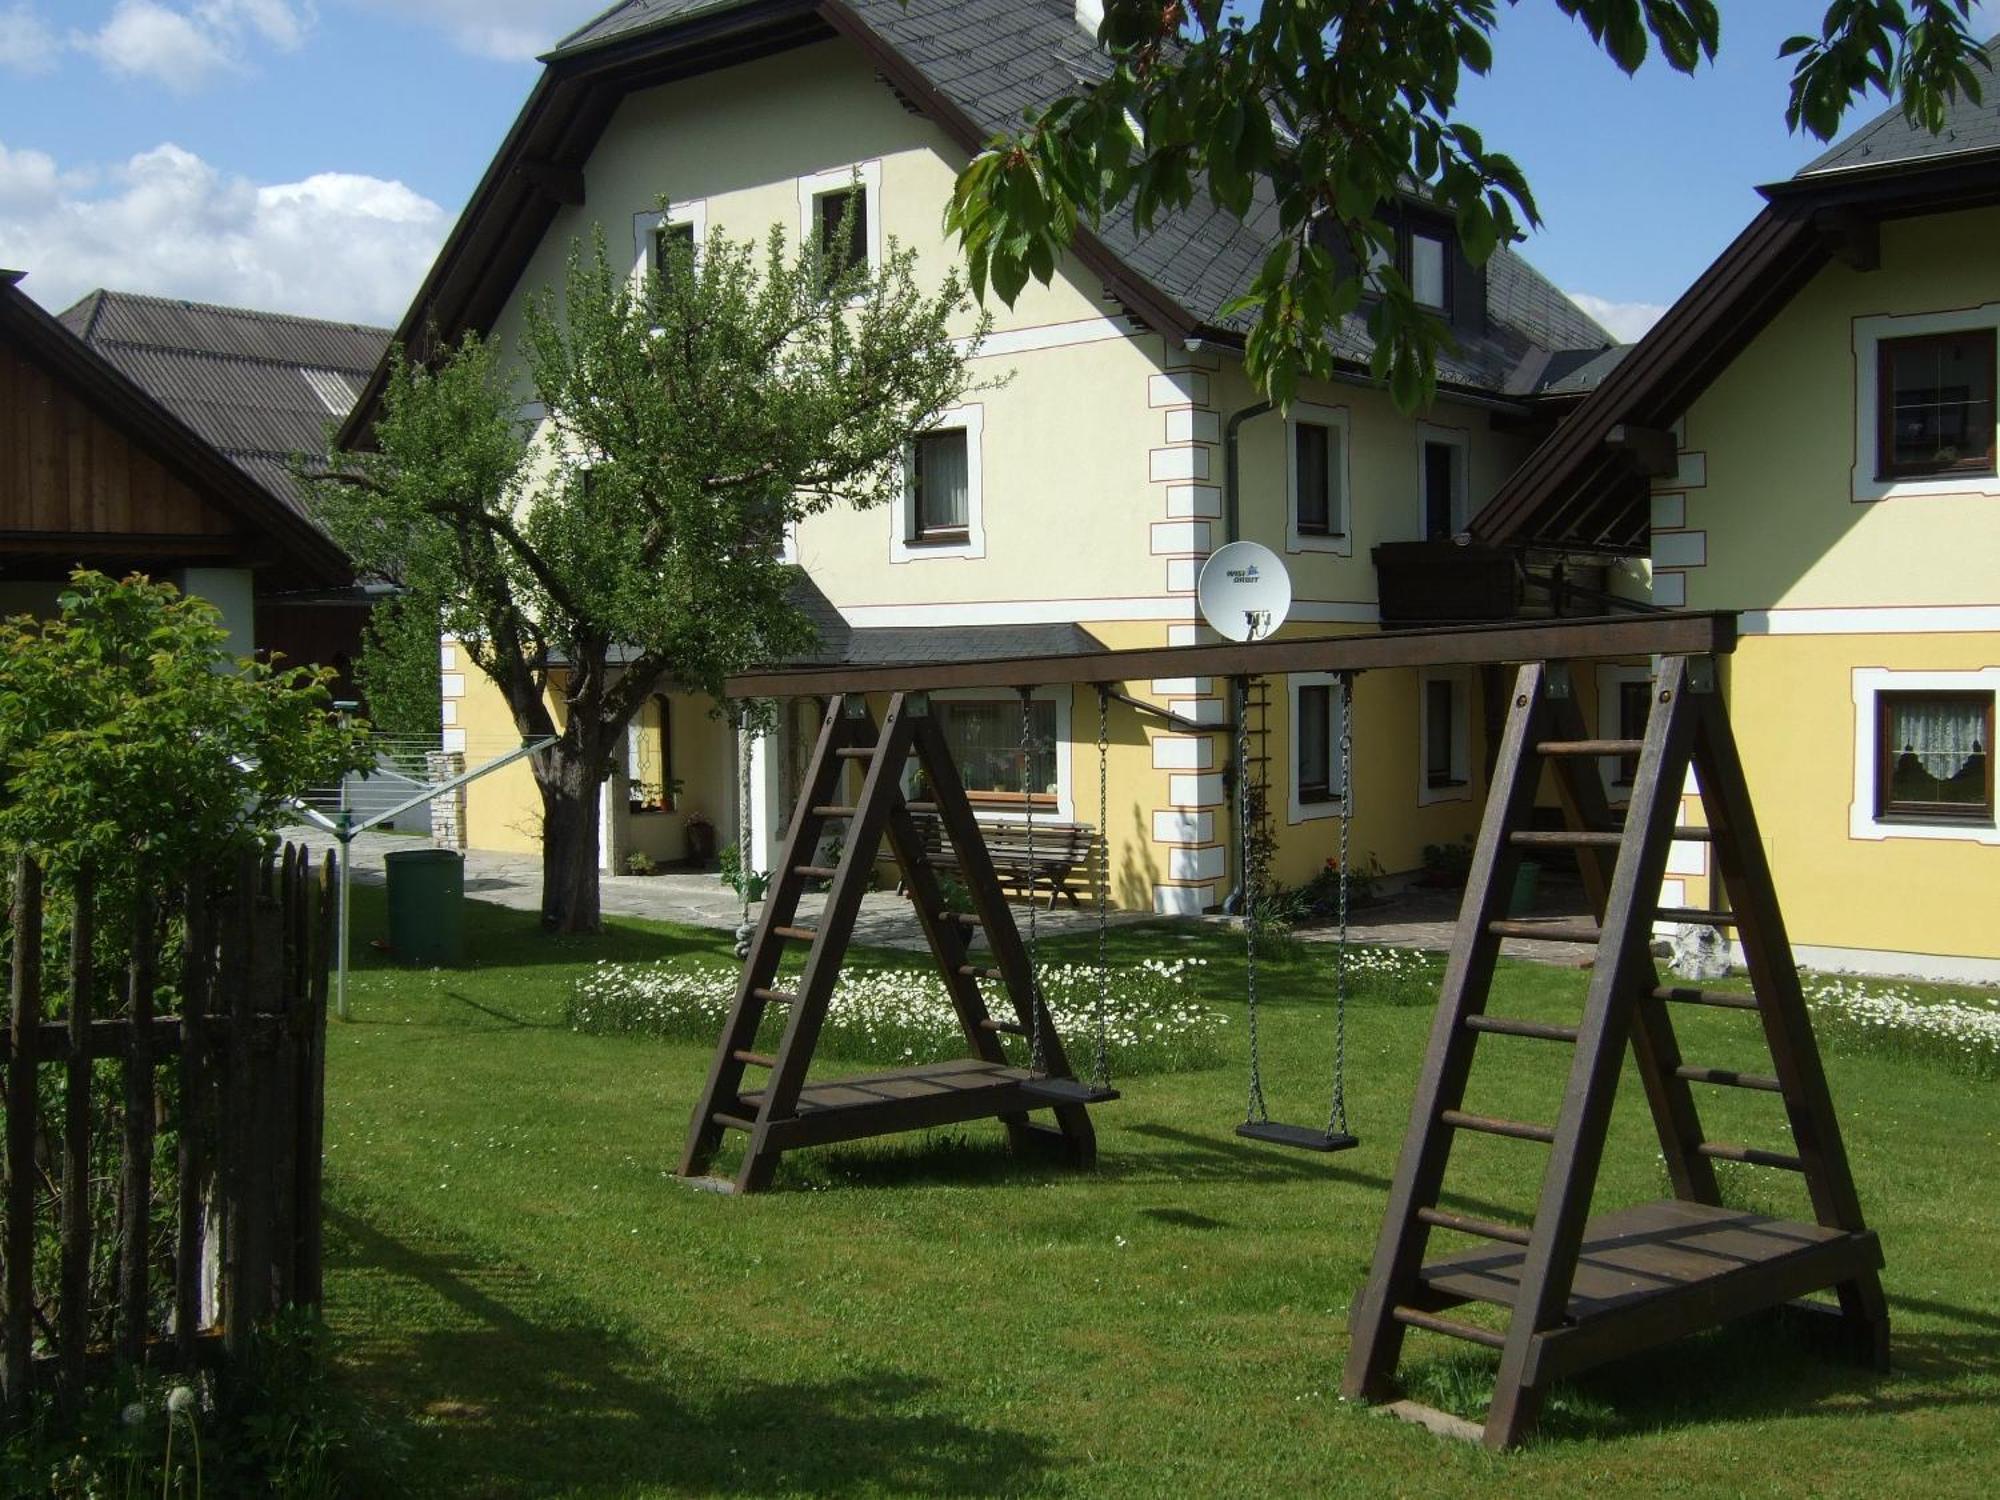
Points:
(1299, 1137)
(1055, 1091)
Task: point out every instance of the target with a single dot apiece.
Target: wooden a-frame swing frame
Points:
(1574, 1290)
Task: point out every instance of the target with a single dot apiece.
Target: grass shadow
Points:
(518, 1392)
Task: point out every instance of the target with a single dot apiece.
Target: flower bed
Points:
(1962, 1031)
(1153, 1023)
(1392, 976)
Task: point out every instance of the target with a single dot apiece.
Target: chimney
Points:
(1090, 16)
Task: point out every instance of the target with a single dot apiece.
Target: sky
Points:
(309, 156)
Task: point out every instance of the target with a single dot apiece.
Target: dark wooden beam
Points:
(1684, 634)
(1651, 451)
(1852, 237)
(559, 183)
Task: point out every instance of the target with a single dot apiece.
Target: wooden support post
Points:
(24, 1019)
(135, 1193)
(73, 1303)
(197, 955)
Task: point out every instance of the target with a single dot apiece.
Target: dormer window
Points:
(1428, 274)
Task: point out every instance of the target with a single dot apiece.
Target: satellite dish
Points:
(1244, 591)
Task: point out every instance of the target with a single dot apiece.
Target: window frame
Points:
(647, 227)
(1612, 682)
(1299, 807)
(1867, 485)
(1012, 806)
(1443, 240)
(1340, 539)
(1866, 820)
(865, 175)
(663, 745)
(1887, 471)
(905, 544)
(1888, 807)
(1458, 439)
(1457, 786)
(921, 534)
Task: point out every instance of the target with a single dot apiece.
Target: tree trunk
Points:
(569, 844)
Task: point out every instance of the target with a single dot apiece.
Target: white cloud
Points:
(507, 30)
(334, 245)
(1626, 320)
(184, 49)
(27, 42)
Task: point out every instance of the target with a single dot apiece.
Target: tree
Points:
(693, 413)
(132, 742)
(1335, 108)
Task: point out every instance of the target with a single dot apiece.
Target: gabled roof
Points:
(259, 387)
(972, 67)
(164, 434)
(1890, 138)
(1580, 488)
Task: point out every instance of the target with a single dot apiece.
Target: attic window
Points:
(1936, 405)
(842, 221)
(1428, 279)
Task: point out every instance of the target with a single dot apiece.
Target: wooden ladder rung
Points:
(1451, 1328)
(1590, 747)
(920, 807)
(1729, 1078)
(1519, 1130)
(1486, 1229)
(1697, 915)
(961, 918)
(1548, 930)
(1566, 838)
(815, 872)
(775, 997)
(980, 971)
(1683, 995)
(1686, 835)
(733, 1122)
(754, 1059)
(1507, 1026)
(857, 752)
(830, 810)
(796, 934)
(993, 1023)
(1729, 1151)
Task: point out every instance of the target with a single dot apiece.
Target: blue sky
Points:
(309, 155)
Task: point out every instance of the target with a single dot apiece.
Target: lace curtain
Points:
(1942, 734)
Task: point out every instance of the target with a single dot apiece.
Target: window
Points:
(1442, 483)
(1316, 447)
(1935, 404)
(1934, 761)
(649, 758)
(840, 219)
(1635, 706)
(673, 245)
(1316, 788)
(658, 231)
(1427, 270)
(1444, 733)
(940, 485)
(985, 740)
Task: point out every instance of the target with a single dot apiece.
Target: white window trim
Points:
(646, 225)
(1065, 809)
(1297, 811)
(1461, 735)
(1335, 417)
(839, 179)
(1868, 682)
(1455, 437)
(1611, 677)
(902, 515)
(1868, 336)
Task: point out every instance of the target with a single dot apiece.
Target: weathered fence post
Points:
(312, 1090)
(24, 1013)
(135, 1196)
(73, 1316)
(238, 954)
(196, 955)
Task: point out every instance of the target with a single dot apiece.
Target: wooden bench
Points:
(1062, 854)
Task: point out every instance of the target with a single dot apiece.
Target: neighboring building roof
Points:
(1580, 487)
(972, 67)
(1890, 138)
(163, 433)
(260, 387)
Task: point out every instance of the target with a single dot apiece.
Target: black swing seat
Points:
(1300, 1137)
(1053, 1091)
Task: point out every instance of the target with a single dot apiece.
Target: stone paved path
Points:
(1411, 919)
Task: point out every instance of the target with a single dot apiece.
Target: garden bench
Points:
(1062, 854)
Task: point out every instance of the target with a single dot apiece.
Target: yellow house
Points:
(1068, 509)
(1828, 385)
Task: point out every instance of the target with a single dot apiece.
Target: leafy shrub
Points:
(1152, 1023)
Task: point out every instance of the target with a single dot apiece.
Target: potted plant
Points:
(700, 838)
(1446, 865)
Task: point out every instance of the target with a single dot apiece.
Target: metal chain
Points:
(1102, 1075)
(1336, 1122)
(1038, 1028)
(745, 741)
(1254, 1109)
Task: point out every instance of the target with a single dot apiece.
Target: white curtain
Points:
(943, 478)
(1942, 735)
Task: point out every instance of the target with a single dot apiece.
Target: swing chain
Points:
(1336, 1123)
(1254, 1111)
(1037, 1031)
(1102, 1076)
(745, 744)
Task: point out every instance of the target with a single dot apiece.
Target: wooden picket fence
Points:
(175, 1272)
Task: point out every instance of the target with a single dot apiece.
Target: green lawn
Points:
(514, 1270)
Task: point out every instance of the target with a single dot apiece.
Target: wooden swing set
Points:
(1573, 1290)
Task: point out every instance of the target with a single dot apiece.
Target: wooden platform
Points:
(850, 1109)
(1657, 1271)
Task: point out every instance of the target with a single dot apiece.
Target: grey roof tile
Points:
(1890, 137)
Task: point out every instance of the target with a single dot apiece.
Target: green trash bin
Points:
(427, 905)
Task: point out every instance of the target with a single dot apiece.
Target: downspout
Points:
(1232, 530)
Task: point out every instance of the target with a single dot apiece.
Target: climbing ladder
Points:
(787, 1112)
(1576, 1290)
